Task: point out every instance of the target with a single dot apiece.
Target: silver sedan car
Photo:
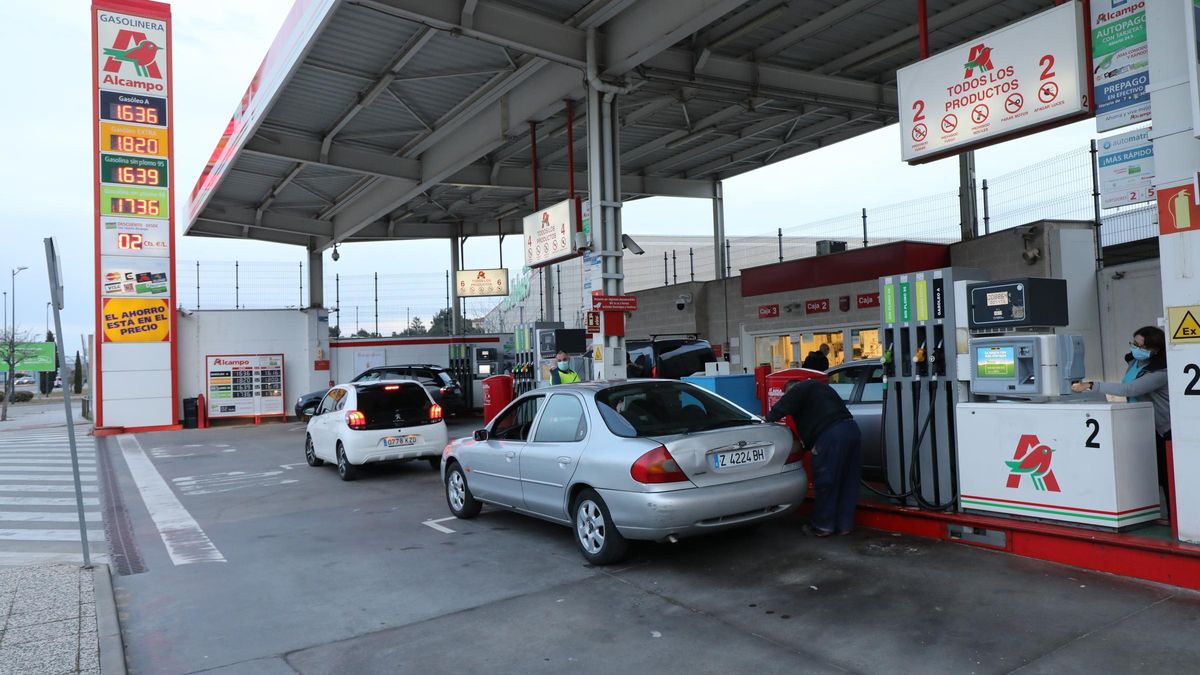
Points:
(640, 459)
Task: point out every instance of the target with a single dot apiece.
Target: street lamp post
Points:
(12, 337)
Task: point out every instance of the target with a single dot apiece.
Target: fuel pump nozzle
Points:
(920, 362)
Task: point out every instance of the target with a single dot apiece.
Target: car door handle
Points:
(510, 455)
(565, 460)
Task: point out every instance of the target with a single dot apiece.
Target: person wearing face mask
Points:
(562, 373)
(1145, 380)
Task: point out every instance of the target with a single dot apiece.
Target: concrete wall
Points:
(302, 336)
(1130, 297)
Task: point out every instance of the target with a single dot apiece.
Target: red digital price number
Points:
(127, 112)
(137, 175)
(135, 207)
(128, 241)
(134, 144)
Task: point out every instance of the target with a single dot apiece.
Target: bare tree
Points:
(12, 352)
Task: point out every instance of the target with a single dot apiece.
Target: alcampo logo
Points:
(1032, 459)
(133, 47)
(979, 59)
(481, 275)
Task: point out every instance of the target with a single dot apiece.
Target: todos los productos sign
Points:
(550, 233)
(1026, 75)
(481, 283)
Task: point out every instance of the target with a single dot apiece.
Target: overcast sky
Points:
(219, 44)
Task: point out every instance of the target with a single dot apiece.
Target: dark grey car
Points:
(860, 384)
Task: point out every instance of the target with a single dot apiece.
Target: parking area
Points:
(236, 557)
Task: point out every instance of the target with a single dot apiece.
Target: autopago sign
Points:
(1027, 75)
(1120, 63)
(1125, 168)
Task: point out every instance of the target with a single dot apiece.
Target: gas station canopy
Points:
(404, 119)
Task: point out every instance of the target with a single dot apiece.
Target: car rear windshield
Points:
(666, 408)
(679, 358)
(395, 404)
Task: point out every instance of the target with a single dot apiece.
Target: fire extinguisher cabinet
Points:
(497, 393)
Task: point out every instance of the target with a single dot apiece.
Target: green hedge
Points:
(19, 396)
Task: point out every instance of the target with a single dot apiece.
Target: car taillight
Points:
(356, 420)
(795, 455)
(657, 466)
(435, 412)
(654, 371)
(391, 387)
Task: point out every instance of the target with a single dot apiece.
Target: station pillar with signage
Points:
(133, 229)
(1174, 86)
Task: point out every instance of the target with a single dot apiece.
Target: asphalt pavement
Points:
(248, 561)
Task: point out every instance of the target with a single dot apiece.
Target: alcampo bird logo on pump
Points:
(979, 59)
(142, 54)
(1032, 459)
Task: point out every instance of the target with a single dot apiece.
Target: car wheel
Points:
(458, 495)
(310, 453)
(597, 537)
(435, 462)
(346, 470)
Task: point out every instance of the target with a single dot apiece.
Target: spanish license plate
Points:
(400, 441)
(721, 460)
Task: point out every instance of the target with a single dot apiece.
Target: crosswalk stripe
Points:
(30, 476)
(47, 501)
(47, 469)
(48, 535)
(44, 488)
(91, 463)
(47, 517)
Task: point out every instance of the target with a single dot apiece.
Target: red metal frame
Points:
(533, 167)
(257, 418)
(1168, 562)
(571, 148)
(923, 29)
(162, 12)
(400, 342)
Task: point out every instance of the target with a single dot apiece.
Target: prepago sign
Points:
(1027, 75)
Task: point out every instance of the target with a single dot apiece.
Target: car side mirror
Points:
(309, 411)
(481, 435)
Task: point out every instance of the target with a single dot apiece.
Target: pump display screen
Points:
(996, 362)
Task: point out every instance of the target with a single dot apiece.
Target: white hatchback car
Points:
(383, 421)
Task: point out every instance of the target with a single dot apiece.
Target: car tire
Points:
(595, 534)
(310, 453)
(458, 494)
(435, 463)
(346, 470)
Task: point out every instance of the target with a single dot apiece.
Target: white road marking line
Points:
(41, 467)
(228, 481)
(440, 528)
(47, 501)
(289, 466)
(46, 517)
(44, 488)
(43, 477)
(48, 535)
(50, 462)
(186, 543)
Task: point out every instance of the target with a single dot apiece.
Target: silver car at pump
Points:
(617, 461)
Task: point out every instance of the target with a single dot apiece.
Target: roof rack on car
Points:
(694, 336)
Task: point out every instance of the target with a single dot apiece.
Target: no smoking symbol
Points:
(949, 123)
(919, 132)
(1013, 103)
(1048, 92)
(979, 114)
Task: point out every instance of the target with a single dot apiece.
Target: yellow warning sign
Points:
(1183, 323)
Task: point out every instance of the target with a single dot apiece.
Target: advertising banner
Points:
(131, 277)
(481, 283)
(134, 237)
(1120, 63)
(1125, 167)
(550, 233)
(36, 357)
(1028, 75)
(244, 385)
(136, 320)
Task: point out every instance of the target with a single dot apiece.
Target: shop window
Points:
(866, 343)
(836, 341)
(776, 350)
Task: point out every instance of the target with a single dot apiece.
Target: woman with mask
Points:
(1145, 380)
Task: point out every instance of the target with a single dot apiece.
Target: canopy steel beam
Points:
(841, 12)
(774, 144)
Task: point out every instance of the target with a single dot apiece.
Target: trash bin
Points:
(497, 393)
(191, 413)
(761, 371)
(777, 382)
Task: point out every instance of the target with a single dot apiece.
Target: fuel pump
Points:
(924, 328)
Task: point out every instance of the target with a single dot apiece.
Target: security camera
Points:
(683, 300)
(335, 255)
(628, 242)
(1032, 255)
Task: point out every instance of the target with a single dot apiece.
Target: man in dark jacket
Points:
(827, 428)
(817, 359)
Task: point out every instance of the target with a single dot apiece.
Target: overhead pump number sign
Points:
(1025, 76)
